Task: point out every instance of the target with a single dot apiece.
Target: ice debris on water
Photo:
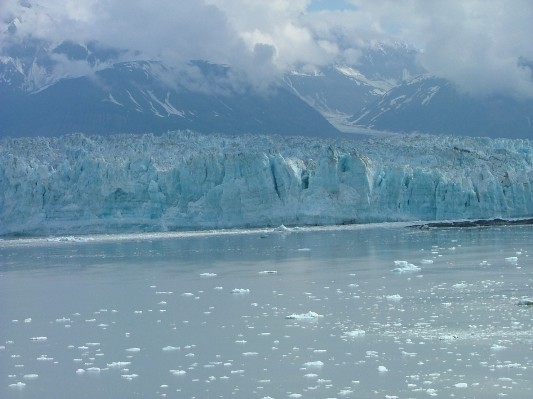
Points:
(240, 291)
(315, 364)
(18, 385)
(394, 298)
(405, 267)
(133, 350)
(304, 316)
(38, 338)
(383, 369)
(170, 348)
(118, 364)
(355, 333)
(525, 302)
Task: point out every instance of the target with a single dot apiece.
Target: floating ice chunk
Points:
(512, 259)
(178, 372)
(461, 385)
(282, 228)
(268, 272)
(63, 320)
(164, 293)
(496, 347)
(426, 261)
(116, 365)
(355, 333)
(310, 375)
(394, 298)
(250, 354)
(38, 338)
(448, 337)
(187, 294)
(295, 395)
(129, 377)
(18, 385)
(383, 369)
(170, 348)
(30, 376)
(460, 286)
(208, 275)
(304, 249)
(45, 358)
(405, 267)
(304, 316)
(240, 291)
(345, 392)
(316, 364)
(94, 370)
(80, 371)
(28, 320)
(133, 350)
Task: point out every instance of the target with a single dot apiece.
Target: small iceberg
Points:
(405, 267)
(394, 298)
(18, 385)
(170, 348)
(304, 316)
(355, 333)
(38, 338)
(240, 291)
(316, 364)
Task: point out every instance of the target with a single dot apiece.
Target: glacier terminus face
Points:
(79, 184)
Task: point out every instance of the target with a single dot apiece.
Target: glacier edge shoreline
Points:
(80, 184)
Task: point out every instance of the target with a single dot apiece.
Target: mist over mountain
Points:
(51, 88)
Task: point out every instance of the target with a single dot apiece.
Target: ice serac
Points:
(183, 180)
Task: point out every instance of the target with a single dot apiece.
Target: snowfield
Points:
(80, 184)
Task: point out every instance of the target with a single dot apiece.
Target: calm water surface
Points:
(332, 313)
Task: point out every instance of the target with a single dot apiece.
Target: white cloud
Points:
(474, 43)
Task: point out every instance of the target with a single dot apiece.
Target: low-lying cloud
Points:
(477, 44)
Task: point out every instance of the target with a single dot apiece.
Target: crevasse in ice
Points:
(183, 180)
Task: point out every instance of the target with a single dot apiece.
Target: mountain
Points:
(80, 184)
(38, 97)
(388, 90)
(434, 105)
(56, 88)
(341, 91)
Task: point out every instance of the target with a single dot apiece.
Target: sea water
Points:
(353, 312)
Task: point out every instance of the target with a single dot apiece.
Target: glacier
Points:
(81, 184)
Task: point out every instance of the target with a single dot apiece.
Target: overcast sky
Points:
(474, 43)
